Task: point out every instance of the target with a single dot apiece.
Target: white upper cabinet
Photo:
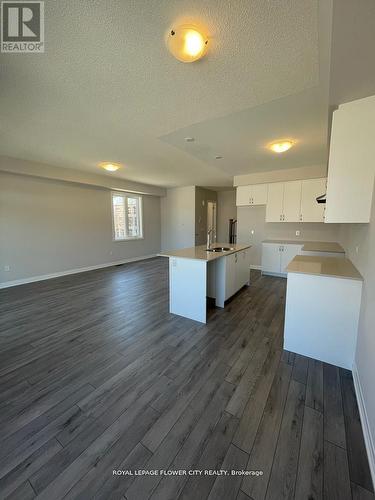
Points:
(284, 202)
(274, 209)
(243, 195)
(292, 201)
(295, 201)
(351, 166)
(255, 194)
(259, 194)
(311, 210)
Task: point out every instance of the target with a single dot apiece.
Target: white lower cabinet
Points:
(230, 277)
(271, 258)
(243, 268)
(276, 256)
(231, 272)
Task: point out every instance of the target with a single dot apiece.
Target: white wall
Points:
(178, 218)
(226, 209)
(254, 218)
(363, 237)
(48, 226)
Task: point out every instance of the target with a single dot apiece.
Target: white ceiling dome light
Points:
(187, 43)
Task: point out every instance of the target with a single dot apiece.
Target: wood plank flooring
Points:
(97, 376)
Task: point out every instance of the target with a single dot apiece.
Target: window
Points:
(127, 216)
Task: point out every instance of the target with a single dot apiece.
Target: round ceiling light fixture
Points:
(186, 43)
(109, 166)
(281, 147)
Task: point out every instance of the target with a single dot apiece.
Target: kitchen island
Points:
(322, 308)
(197, 273)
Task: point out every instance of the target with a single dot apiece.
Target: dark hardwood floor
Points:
(97, 376)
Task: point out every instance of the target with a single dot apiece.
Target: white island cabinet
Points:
(195, 274)
(229, 274)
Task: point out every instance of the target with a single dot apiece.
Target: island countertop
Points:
(201, 253)
(334, 267)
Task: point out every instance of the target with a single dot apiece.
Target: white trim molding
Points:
(43, 277)
(370, 447)
(253, 266)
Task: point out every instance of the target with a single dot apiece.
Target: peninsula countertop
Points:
(312, 246)
(334, 267)
(201, 253)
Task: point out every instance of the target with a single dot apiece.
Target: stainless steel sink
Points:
(219, 249)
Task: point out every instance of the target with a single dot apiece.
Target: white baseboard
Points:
(370, 447)
(7, 284)
(253, 266)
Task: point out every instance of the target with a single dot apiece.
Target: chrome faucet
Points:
(210, 234)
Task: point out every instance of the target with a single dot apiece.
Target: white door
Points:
(274, 208)
(243, 195)
(271, 257)
(259, 194)
(288, 252)
(292, 201)
(311, 210)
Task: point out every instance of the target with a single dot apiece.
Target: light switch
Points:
(252, 231)
(298, 233)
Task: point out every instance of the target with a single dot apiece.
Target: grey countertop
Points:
(334, 267)
(311, 246)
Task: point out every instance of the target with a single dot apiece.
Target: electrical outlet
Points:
(6, 269)
(298, 233)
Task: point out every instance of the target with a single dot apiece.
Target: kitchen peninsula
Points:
(197, 273)
(322, 308)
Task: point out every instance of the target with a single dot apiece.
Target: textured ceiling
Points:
(107, 89)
